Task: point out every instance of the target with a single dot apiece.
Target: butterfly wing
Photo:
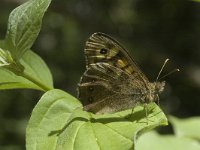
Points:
(112, 81)
(106, 89)
(103, 48)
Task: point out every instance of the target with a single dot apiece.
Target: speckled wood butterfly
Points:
(112, 81)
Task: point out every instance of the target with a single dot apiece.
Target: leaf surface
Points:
(154, 141)
(58, 122)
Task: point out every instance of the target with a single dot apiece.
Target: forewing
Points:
(102, 48)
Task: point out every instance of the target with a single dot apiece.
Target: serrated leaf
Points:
(35, 67)
(186, 127)
(24, 25)
(154, 141)
(73, 129)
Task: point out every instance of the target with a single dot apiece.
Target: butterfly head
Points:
(155, 89)
(159, 87)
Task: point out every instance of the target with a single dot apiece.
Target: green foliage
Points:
(58, 122)
(36, 74)
(50, 115)
(186, 136)
(21, 68)
(37, 70)
(186, 127)
(24, 25)
(153, 140)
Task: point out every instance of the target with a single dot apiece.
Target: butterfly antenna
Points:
(175, 70)
(162, 69)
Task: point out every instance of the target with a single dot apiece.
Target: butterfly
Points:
(112, 81)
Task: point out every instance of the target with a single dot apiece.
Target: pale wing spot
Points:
(97, 56)
(94, 44)
(120, 63)
(113, 52)
(129, 69)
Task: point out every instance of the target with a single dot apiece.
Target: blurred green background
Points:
(150, 30)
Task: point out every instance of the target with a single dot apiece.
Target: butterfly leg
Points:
(132, 111)
(146, 112)
(129, 115)
(158, 100)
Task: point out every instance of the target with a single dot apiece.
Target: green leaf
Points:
(5, 55)
(154, 141)
(35, 69)
(9, 80)
(5, 58)
(24, 25)
(58, 122)
(48, 117)
(189, 127)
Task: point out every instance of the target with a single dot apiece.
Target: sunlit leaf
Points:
(48, 119)
(154, 141)
(58, 122)
(35, 68)
(24, 25)
(189, 127)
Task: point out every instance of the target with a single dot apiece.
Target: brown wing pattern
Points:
(102, 48)
(103, 87)
(112, 81)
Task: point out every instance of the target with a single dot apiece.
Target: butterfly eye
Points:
(103, 51)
